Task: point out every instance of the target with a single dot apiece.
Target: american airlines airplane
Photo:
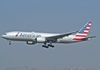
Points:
(32, 38)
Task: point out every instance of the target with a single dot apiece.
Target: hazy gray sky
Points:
(49, 16)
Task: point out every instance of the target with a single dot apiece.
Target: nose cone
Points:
(3, 36)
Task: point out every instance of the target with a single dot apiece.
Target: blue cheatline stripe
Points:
(82, 30)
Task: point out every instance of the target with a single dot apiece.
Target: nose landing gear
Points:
(9, 42)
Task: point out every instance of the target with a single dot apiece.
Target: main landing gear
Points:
(47, 46)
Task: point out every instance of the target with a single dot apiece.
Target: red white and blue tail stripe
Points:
(83, 32)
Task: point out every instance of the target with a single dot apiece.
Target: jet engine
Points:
(41, 40)
(34, 41)
(30, 42)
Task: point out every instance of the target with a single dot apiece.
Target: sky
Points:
(53, 16)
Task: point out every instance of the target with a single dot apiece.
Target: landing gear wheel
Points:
(45, 46)
(51, 45)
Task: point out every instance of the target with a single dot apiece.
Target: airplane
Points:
(32, 38)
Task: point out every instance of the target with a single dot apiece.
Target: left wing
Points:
(60, 36)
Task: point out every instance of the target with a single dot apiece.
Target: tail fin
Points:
(83, 32)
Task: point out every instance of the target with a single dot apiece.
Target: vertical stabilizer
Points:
(83, 32)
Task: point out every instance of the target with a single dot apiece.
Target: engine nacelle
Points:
(41, 40)
(31, 42)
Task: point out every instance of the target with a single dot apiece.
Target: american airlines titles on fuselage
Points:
(28, 35)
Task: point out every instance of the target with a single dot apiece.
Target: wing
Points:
(53, 38)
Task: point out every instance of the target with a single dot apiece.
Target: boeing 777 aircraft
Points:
(32, 38)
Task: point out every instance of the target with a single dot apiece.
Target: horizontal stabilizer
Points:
(88, 38)
(91, 36)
